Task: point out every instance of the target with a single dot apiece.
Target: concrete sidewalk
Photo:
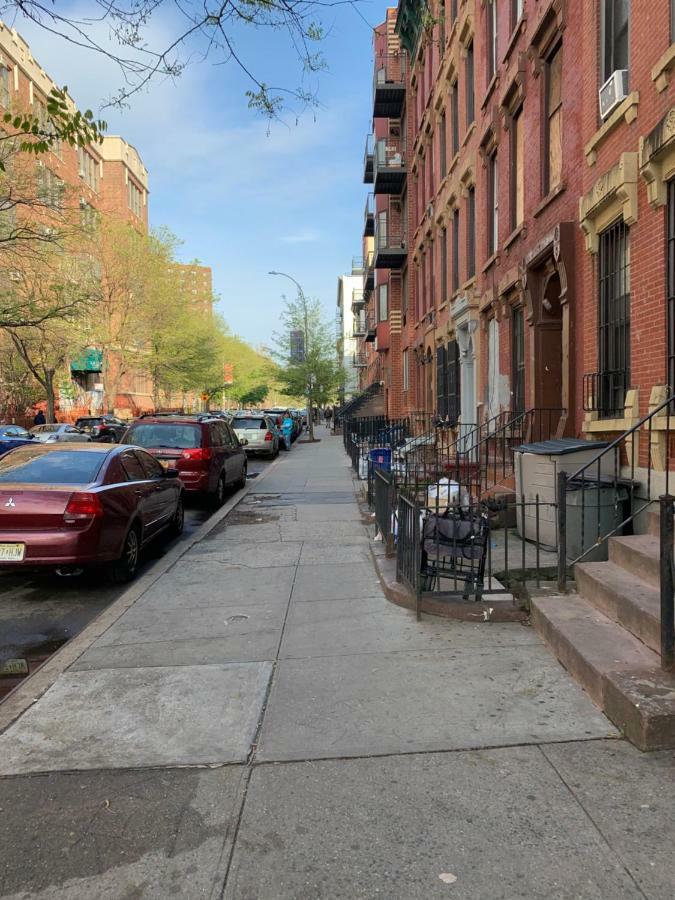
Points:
(262, 723)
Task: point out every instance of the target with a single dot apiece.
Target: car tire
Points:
(178, 519)
(242, 481)
(217, 498)
(125, 568)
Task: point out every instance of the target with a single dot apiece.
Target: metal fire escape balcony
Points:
(360, 325)
(389, 166)
(369, 272)
(359, 360)
(389, 86)
(358, 300)
(368, 160)
(391, 245)
(369, 216)
(357, 265)
(371, 328)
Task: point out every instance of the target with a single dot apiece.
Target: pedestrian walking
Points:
(328, 414)
(39, 418)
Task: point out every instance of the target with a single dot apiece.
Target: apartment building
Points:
(519, 245)
(348, 325)
(108, 178)
(196, 282)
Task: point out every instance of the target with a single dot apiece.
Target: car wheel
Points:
(178, 520)
(218, 496)
(242, 481)
(126, 566)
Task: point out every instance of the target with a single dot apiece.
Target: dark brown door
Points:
(548, 351)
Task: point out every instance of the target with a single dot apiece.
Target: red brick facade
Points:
(548, 180)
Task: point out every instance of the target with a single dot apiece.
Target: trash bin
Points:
(537, 466)
(381, 457)
(599, 508)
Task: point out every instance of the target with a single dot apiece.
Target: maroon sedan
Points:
(66, 506)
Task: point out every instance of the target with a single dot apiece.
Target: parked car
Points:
(58, 432)
(69, 506)
(12, 436)
(260, 433)
(107, 429)
(205, 450)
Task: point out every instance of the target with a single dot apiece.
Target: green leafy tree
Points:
(313, 372)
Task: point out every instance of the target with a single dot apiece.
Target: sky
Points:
(244, 197)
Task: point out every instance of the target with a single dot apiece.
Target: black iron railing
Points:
(389, 154)
(383, 500)
(390, 69)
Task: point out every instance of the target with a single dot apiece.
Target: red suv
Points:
(205, 450)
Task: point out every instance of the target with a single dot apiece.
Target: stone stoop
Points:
(607, 636)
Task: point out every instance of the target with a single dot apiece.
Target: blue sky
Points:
(242, 200)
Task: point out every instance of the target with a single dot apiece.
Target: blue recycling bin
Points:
(381, 457)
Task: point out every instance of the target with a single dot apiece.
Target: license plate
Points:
(12, 552)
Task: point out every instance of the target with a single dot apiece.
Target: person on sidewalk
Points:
(39, 418)
(328, 414)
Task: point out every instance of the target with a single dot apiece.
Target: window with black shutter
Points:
(614, 319)
(471, 233)
(441, 383)
(670, 312)
(518, 360)
(455, 250)
(453, 382)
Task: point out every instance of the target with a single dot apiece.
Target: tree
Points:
(191, 30)
(311, 370)
(255, 395)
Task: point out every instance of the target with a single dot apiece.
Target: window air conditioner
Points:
(613, 91)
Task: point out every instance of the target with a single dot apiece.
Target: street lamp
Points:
(301, 295)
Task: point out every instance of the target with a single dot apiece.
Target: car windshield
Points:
(82, 423)
(45, 429)
(164, 434)
(249, 423)
(13, 431)
(29, 465)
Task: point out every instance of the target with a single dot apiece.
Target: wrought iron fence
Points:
(383, 499)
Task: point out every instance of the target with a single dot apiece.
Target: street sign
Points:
(297, 346)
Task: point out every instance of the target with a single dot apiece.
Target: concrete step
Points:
(622, 597)
(619, 672)
(654, 521)
(638, 554)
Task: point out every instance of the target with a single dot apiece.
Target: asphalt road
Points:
(39, 613)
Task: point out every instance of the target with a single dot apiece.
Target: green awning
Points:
(90, 360)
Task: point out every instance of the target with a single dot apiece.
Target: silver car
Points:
(51, 434)
(260, 432)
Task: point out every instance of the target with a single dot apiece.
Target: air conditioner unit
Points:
(613, 91)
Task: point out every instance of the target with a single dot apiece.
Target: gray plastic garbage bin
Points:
(593, 512)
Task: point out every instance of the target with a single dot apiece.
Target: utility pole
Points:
(303, 300)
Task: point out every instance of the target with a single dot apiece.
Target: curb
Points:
(29, 691)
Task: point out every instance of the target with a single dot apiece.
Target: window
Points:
(670, 269)
(454, 113)
(553, 121)
(493, 205)
(518, 359)
(432, 277)
(517, 200)
(453, 10)
(441, 28)
(516, 12)
(491, 14)
(383, 303)
(132, 467)
(614, 23)
(88, 168)
(88, 216)
(441, 383)
(151, 467)
(404, 294)
(455, 250)
(453, 390)
(406, 371)
(58, 467)
(4, 86)
(614, 320)
(444, 265)
(471, 233)
(470, 113)
(442, 147)
(135, 197)
(50, 188)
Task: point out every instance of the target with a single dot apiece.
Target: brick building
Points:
(196, 282)
(522, 236)
(109, 178)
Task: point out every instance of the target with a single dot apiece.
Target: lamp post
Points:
(301, 295)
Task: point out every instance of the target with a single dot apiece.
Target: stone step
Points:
(620, 673)
(638, 554)
(654, 521)
(622, 597)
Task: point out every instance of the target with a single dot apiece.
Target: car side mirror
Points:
(170, 473)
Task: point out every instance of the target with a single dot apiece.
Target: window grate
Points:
(518, 359)
(614, 319)
(453, 392)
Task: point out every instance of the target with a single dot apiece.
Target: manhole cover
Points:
(234, 619)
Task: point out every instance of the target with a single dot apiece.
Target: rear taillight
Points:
(269, 436)
(199, 454)
(82, 506)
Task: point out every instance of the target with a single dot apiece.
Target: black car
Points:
(105, 429)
